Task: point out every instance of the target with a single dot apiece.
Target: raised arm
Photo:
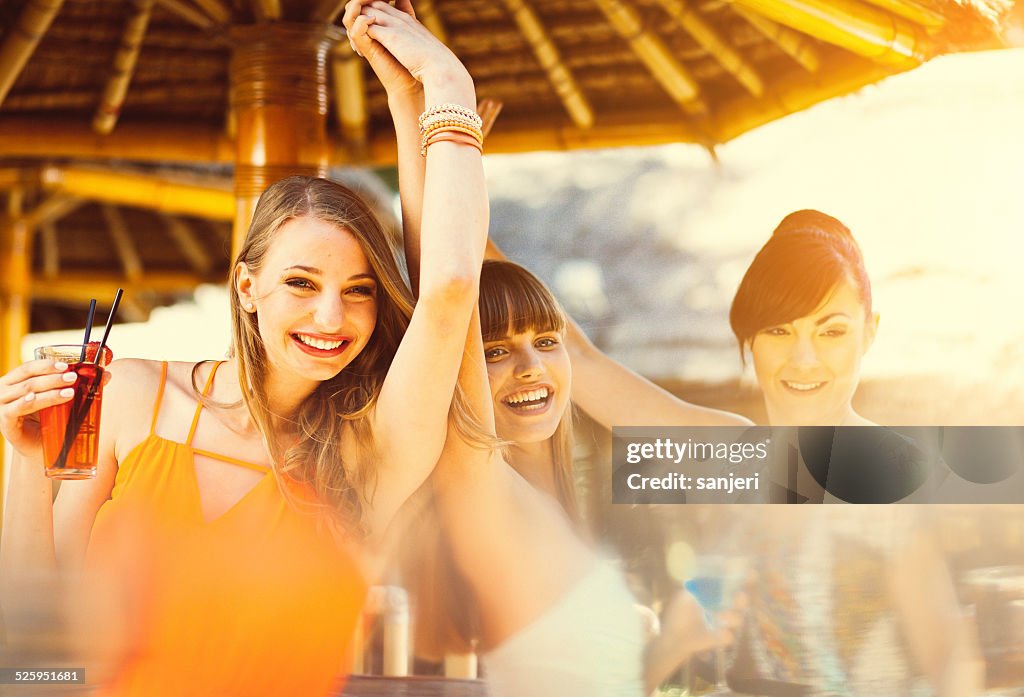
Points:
(405, 101)
(411, 417)
(613, 395)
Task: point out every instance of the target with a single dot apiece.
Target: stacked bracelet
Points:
(450, 119)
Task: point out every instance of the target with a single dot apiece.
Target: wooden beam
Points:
(547, 54)
(188, 13)
(140, 190)
(216, 9)
(131, 263)
(649, 48)
(55, 207)
(51, 250)
(266, 10)
(862, 29)
(22, 39)
(794, 44)
(31, 136)
(708, 37)
(189, 244)
(327, 11)
(79, 287)
(428, 15)
(350, 99)
(124, 66)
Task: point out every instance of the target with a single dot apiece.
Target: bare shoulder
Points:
(133, 381)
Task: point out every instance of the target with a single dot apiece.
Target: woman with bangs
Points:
(804, 313)
(551, 617)
(850, 600)
(225, 545)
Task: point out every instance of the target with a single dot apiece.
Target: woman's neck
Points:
(535, 462)
(283, 397)
(845, 416)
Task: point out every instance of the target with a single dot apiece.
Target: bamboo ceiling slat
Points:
(548, 56)
(50, 249)
(910, 10)
(124, 65)
(720, 48)
(218, 11)
(663, 65)
(862, 29)
(51, 209)
(22, 39)
(797, 46)
(189, 244)
(131, 263)
(140, 96)
(182, 9)
(81, 286)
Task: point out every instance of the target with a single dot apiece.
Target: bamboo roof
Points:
(138, 85)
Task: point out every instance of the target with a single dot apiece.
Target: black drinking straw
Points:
(110, 321)
(88, 329)
(78, 416)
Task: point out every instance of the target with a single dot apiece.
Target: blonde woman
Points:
(336, 401)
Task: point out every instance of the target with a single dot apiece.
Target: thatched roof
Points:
(570, 73)
(145, 84)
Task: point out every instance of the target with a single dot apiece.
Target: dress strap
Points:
(159, 397)
(199, 407)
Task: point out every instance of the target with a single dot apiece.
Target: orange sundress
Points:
(258, 601)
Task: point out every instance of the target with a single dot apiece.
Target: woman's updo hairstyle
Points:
(807, 256)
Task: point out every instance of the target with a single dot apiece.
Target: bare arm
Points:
(613, 395)
(411, 418)
(931, 620)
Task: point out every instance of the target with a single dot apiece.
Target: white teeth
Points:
(318, 343)
(804, 386)
(530, 396)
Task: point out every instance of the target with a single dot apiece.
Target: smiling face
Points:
(530, 378)
(809, 369)
(315, 300)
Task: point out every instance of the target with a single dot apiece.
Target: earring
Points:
(249, 307)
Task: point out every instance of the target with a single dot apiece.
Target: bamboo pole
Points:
(350, 99)
(15, 246)
(139, 190)
(124, 66)
(279, 95)
(186, 12)
(266, 10)
(55, 207)
(216, 9)
(913, 11)
(327, 11)
(22, 39)
(794, 44)
(166, 142)
(858, 27)
(131, 262)
(428, 15)
(666, 69)
(79, 287)
(561, 79)
(189, 244)
(706, 35)
(50, 249)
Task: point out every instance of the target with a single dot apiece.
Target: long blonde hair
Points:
(314, 462)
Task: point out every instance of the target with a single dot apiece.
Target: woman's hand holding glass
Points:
(24, 392)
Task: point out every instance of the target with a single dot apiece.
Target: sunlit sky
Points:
(927, 169)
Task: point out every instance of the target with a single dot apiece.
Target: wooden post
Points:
(15, 251)
(279, 96)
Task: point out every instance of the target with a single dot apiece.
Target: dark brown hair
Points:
(795, 272)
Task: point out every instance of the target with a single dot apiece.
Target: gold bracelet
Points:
(452, 109)
(462, 130)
